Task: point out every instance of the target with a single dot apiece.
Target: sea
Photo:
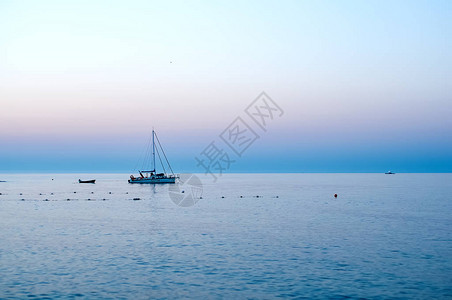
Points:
(241, 236)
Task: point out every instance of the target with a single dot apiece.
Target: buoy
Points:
(277, 196)
(40, 194)
(241, 196)
(92, 192)
(68, 199)
(109, 192)
(335, 195)
(75, 192)
(51, 193)
(222, 196)
(183, 192)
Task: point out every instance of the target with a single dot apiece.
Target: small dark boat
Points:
(87, 181)
(389, 172)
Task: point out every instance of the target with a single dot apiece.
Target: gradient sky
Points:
(365, 85)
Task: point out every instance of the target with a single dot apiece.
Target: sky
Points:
(363, 86)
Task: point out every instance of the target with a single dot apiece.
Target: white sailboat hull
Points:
(153, 180)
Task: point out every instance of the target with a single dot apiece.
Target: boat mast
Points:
(153, 149)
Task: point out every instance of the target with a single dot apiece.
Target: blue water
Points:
(384, 236)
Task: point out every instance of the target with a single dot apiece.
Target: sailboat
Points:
(151, 176)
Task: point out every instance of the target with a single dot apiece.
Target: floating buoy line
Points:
(126, 193)
(36, 197)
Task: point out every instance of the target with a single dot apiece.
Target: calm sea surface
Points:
(384, 236)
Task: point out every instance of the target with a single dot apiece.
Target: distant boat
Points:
(87, 181)
(151, 176)
(389, 172)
